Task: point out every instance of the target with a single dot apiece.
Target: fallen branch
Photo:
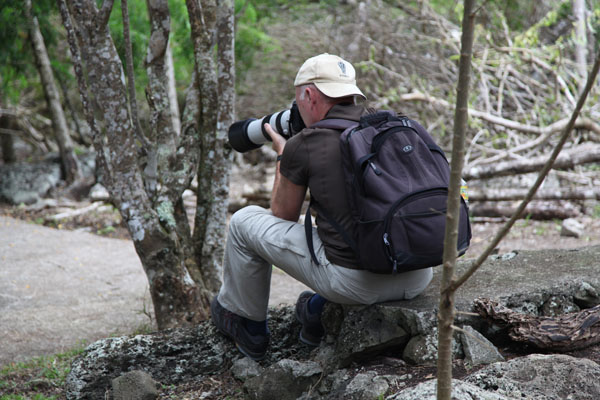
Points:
(542, 211)
(581, 123)
(568, 159)
(565, 332)
(545, 194)
(76, 212)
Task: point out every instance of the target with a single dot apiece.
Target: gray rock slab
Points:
(524, 273)
(541, 377)
(59, 288)
(460, 391)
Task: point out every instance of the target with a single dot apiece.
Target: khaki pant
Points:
(257, 240)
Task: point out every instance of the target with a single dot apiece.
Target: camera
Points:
(250, 134)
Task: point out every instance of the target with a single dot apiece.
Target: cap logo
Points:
(342, 67)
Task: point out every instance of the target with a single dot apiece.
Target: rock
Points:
(134, 385)
(367, 331)
(99, 193)
(245, 368)
(292, 378)
(478, 350)
(571, 227)
(559, 305)
(422, 349)
(460, 391)
(537, 376)
(586, 296)
(170, 357)
(368, 386)
(26, 183)
(364, 331)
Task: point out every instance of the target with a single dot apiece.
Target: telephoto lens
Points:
(250, 134)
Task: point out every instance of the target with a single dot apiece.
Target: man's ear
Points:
(311, 92)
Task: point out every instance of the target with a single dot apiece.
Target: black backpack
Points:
(397, 186)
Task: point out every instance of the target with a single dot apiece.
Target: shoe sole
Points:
(306, 341)
(252, 356)
(301, 336)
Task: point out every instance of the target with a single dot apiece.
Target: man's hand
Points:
(287, 197)
(278, 140)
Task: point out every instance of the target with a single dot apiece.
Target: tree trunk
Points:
(446, 308)
(215, 157)
(6, 140)
(154, 213)
(59, 123)
(580, 40)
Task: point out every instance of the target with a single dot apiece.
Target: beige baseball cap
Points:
(332, 75)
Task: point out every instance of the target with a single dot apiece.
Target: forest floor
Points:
(44, 377)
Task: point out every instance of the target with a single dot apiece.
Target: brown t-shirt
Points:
(312, 158)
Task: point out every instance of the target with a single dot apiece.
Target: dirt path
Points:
(60, 288)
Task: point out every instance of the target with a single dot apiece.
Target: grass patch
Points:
(41, 378)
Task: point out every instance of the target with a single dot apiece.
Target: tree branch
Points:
(131, 78)
(104, 13)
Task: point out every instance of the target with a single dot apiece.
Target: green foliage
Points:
(17, 67)
(250, 36)
(139, 34)
(530, 37)
(106, 230)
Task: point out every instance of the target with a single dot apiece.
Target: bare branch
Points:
(509, 194)
(584, 154)
(131, 79)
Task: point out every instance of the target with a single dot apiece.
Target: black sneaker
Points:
(312, 330)
(232, 325)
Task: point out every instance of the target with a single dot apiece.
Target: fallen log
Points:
(536, 210)
(567, 159)
(509, 194)
(565, 332)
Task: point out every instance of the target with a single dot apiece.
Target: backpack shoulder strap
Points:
(334, 123)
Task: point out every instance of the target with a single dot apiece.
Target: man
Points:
(258, 238)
